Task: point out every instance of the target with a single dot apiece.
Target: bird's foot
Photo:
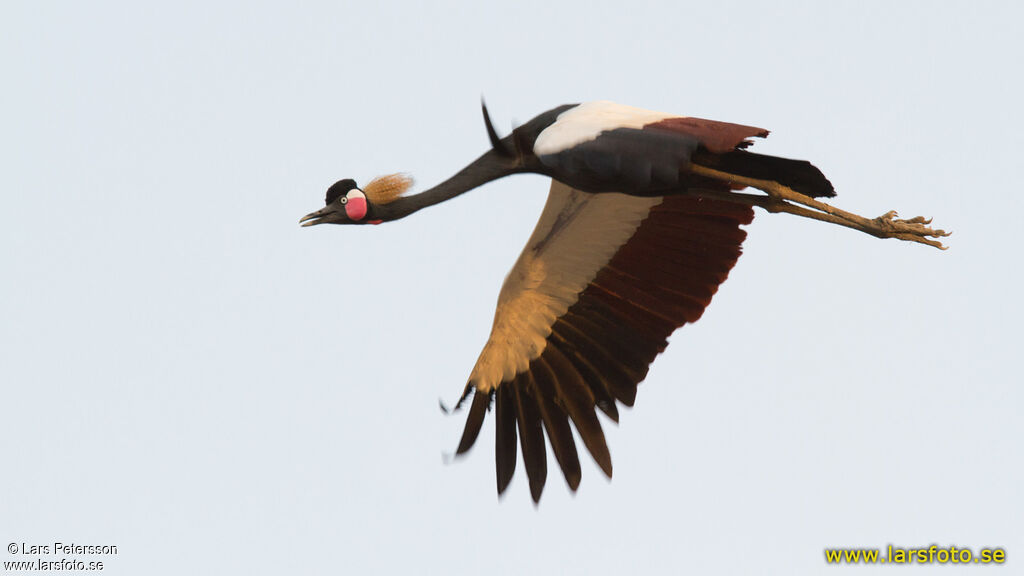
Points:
(915, 229)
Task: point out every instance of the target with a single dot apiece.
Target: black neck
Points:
(489, 166)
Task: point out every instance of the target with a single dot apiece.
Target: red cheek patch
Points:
(355, 209)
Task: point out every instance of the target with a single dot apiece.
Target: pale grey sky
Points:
(190, 376)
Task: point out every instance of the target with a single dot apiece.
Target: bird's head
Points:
(346, 203)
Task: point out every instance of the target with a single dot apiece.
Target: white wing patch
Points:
(577, 234)
(586, 121)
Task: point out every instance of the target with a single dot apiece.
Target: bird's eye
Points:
(344, 200)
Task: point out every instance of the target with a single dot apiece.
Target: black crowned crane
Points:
(641, 226)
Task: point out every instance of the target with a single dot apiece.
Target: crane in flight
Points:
(641, 225)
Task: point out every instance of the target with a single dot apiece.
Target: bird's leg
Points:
(784, 199)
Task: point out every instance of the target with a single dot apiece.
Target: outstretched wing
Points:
(602, 283)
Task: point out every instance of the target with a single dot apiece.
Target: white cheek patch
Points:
(355, 205)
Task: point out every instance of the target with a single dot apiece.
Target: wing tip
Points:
(496, 143)
(505, 437)
(475, 420)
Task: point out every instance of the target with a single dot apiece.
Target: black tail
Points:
(800, 175)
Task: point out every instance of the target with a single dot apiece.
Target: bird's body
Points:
(641, 226)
